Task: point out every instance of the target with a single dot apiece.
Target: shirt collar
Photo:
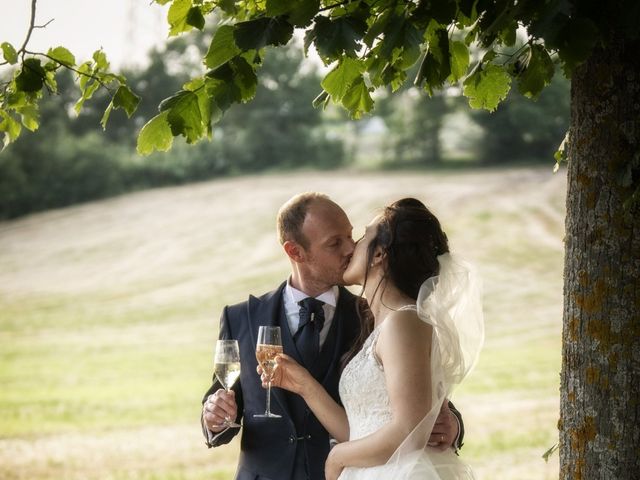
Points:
(329, 297)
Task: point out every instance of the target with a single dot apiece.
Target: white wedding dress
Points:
(451, 304)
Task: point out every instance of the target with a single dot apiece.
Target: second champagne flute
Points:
(227, 368)
(269, 345)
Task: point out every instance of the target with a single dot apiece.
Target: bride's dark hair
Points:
(412, 239)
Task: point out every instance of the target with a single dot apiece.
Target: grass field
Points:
(109, 312)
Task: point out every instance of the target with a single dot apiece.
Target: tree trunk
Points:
(600, 380)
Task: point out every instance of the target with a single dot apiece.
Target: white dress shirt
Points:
(291, 297)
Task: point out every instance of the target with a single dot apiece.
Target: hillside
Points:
(109, 312)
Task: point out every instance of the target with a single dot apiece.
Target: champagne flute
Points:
(227, 368)
(269, 345)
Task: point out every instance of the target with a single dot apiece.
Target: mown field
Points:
(109, 312)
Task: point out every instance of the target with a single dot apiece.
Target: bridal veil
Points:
(451, 303)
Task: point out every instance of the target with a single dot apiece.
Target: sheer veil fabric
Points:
(451, 303)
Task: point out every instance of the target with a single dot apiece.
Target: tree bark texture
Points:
(600, 379)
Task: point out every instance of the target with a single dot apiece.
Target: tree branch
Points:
(32, 25)
(75, 70)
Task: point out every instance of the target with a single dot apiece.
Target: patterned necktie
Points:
(307, 337)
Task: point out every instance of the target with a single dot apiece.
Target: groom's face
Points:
(330, 245)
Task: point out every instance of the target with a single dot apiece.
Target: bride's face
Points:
(356, 271)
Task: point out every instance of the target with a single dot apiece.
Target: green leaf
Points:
(411, 41)
(377, 27)
(177, 17)
(508, 35)
(576, 41)
(487, 87)
(101, 60)
(227, 6)
(233, 82)
(468, 8)
(195, 18)
(185, 118)
(561, 155)
(546, 455)
(106, 115)
(459, 60)
(10, 127)
(126, 99)
(223, 47)
(537, 74)
(51, 82)
(223, 93)
(321, 100)
(84, 72)
(9, 53)
(339, 80)
(62, 56)
(17, 99)
(276, 8)
(87, 93)
(302, 11)
(333, 38)
(358, 99)
(400, 44)
(31, 76)
(244, 76)
(155, 135)
(436, 65)
(169, 103)
(208, 111)
(30, 116)
(393, 35)
(258, 33)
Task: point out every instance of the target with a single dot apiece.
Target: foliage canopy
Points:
(367, 44)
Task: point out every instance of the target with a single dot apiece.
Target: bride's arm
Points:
(404, 348)
(293, 377)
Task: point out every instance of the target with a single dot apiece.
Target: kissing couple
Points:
(364, 381)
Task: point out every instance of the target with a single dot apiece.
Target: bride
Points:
(422, 332)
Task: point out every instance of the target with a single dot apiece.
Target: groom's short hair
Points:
(292, 214)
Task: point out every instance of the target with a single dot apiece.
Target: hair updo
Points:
(412, 239)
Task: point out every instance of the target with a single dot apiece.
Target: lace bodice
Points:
(363, 391)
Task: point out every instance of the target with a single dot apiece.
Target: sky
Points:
(125, 29)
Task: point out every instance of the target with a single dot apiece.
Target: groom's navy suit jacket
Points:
(295, 446)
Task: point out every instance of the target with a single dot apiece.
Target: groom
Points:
(316, 236)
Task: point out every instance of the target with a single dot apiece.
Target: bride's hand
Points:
(288, 374)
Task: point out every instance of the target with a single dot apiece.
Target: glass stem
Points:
(268, 398)
(227, 418)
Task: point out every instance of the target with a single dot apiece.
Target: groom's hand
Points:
(219, 406)
(446, 429)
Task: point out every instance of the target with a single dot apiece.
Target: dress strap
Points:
(409, 307)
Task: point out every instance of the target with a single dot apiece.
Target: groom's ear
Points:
(294, 251)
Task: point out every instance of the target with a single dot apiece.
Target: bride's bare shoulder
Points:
(404, 322)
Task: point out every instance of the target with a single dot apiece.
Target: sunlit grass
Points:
(109, 312)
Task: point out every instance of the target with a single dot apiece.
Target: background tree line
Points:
(71, 160)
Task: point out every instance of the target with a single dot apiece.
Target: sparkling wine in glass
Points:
(227, 368)
(269, 345)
